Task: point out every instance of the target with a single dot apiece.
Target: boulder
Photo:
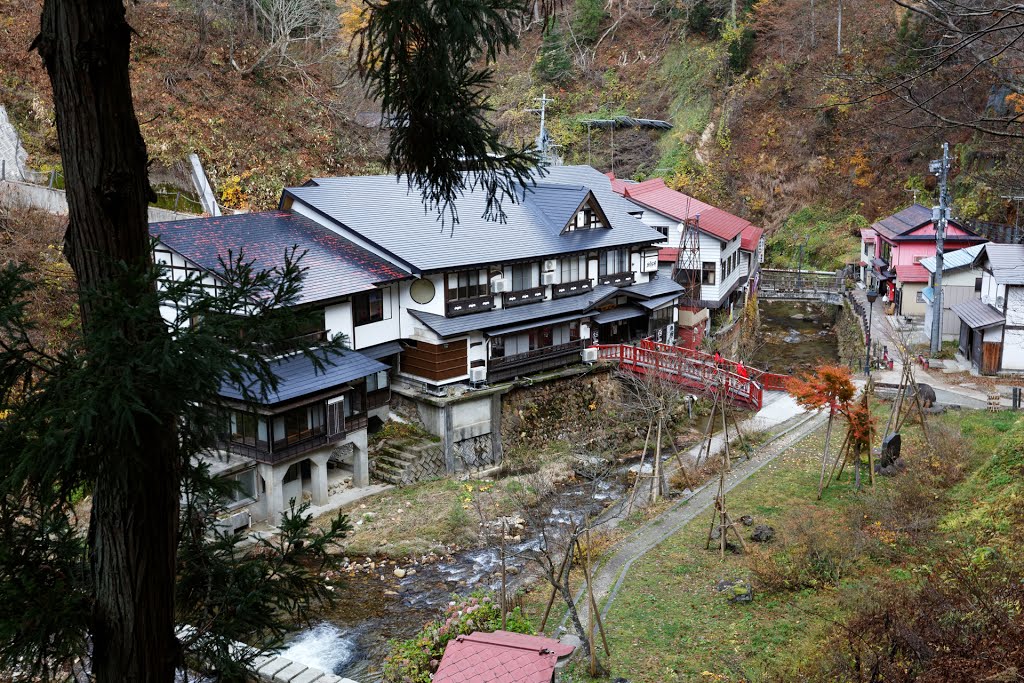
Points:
(762, 533)
(747, 520)
(737, 590)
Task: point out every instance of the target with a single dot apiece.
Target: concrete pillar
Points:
(360, 462)
(273, 477)
(318, 474)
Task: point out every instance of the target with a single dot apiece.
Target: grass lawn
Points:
(668, 621)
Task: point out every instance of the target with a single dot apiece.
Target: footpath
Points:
(781, 414)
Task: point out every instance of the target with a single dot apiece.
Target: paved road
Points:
(608, 578)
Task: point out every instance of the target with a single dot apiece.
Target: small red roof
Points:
(911, 273)
(750, 237)
(656, 195)
(500, 657)
(668, 254)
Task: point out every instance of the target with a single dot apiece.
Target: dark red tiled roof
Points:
(750, 237)
(656, 195)
(335, 266)
(914, 223)
(500, 657)
(911, 273)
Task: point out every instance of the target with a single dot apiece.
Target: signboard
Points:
(650, 263)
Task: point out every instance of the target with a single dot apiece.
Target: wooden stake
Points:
(824, 453)
(596, 614)
(504, 598)
(554, 589)
(656, 488)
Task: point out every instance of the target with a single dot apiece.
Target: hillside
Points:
(762, 124)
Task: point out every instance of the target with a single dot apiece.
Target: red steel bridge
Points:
(693, 369)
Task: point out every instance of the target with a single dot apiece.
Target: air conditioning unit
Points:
(590, 355)
(549, 278)
(499, 286)
(550, 264)
(477, 375)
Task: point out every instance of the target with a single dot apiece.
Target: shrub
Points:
(814, 551)
(587, 18)
(410, 660)
(553, 64)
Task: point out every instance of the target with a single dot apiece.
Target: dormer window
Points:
(588, 216)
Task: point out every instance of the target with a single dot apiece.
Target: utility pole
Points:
(940, 214)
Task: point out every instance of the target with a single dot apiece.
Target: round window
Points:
(422, 291)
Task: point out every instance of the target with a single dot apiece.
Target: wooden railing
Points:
(571, 288)
(769, 381)
(524, 296)
(469, 305)
(616, 279)
(685, 370)
(538, 360)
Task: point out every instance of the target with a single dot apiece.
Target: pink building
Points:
(892, 250)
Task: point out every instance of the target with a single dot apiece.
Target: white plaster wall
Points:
(164, 255)
(408, 326)
(1015, 306)
(338, 320)
(1013, 350)
(385, 330)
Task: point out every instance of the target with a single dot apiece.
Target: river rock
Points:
(747, 520)
(762, 533)
(391, 593)
(410, 572)
(399, 572)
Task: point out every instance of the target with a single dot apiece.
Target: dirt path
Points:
(610, 575)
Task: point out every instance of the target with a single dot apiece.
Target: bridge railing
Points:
(810, 281)
(769, 381)
(696, 371)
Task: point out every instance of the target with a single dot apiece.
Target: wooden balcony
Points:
(295, 444)
(571, 288)
(538, 360)
(377, 399)
(475, 304)
(524, 296)
(616, 279)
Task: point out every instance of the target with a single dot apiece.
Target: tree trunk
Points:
(85, 47)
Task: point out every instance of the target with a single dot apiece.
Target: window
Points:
(586, 219)
(573, 268)
(919, 298)
(368, 307)
(468, 284)
(377, 381)
(498, 347)
(918, 259)
(247, 428)
(663, 229)
(614, 261)
(541, 337)
(567, 333)
(977, 284)
(244, 487)
(707, 273)
(298, 424)
(524, 276)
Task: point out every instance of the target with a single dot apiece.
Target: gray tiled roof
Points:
(654, 288)
(555, 204)
(382, 211)
(978, 315)
(297, 376)
(1007, 262)
(334, 266)
(505, 317)
(961, 258)
(652, 304)
(618, 313)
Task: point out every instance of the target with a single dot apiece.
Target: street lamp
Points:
(872, 294)
(800, 262)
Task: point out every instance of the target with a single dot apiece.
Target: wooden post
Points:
(595, 613)
(657, 463)
(554, 588)
(504, 584)
(824, 454)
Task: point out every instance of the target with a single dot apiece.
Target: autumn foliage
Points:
(831, 386)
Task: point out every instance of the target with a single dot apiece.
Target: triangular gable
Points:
(588, 216)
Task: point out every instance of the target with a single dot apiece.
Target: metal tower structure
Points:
(687, 269)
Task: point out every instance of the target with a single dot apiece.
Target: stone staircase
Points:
(404, 461)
